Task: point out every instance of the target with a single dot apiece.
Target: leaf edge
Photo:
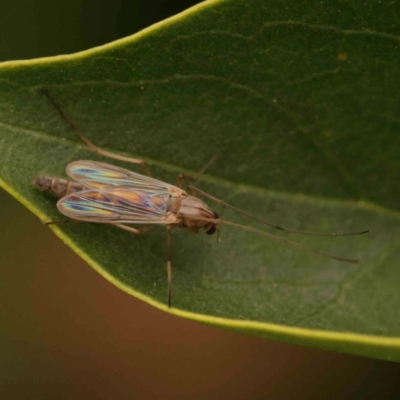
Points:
(380, 347)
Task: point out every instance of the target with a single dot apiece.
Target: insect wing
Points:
(97, 175)
(115, 205)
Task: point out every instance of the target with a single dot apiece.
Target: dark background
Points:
(66, 333)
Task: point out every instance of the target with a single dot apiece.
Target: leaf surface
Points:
(300, 101)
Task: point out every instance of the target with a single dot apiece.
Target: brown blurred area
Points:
(66, 333)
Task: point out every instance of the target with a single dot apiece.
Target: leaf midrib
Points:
(241, 187)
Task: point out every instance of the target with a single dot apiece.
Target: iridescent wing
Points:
(116, 205)
(97, 175)
(117, 195)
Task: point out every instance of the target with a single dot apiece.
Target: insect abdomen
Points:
(57, 187)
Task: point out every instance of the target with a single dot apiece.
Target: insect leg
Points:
(62, 221)
(130, 229)
(96, 149)
(193, 191)
(127, 228)
(169, 269)
(183, 177)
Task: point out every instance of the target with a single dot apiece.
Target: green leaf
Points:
(300, 100)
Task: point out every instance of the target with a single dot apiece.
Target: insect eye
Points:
(212, 229)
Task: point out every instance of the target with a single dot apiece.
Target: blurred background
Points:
(66, 333)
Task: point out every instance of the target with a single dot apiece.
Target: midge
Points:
(104, 193)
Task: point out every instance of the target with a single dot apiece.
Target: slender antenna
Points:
(281, 228)
(282, 239)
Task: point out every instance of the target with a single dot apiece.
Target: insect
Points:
(104, 193)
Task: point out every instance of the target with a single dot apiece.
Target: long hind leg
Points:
(137, 231)
(96, 149)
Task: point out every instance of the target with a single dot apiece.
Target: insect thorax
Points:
(194, 213)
